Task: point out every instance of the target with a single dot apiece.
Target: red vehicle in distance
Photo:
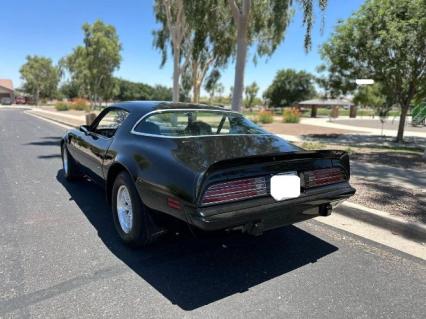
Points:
(20, 100)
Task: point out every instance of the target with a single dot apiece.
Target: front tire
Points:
(69, 165)
(132, 219)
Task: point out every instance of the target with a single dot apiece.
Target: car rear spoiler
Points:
(340, 156)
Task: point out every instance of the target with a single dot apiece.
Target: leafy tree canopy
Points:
(385, 41)
(251, 93)
(93, 64)
(134, 91)
(40, 77)
(290, 86)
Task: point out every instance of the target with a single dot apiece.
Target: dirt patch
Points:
(302, 129)
(405, 202)
(394, 159)
(402, 202)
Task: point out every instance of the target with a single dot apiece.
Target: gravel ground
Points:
(397, 201)
(406, 202)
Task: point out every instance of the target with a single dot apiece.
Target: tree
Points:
(200, 39)
(132, 91)
(290, 86)
(93, 64)
(212, 83)
(212, 39)
(251, 92)
(40, 77)
(161, 93)
(70, 90)
(384, 41)
(370, 95)
(263, 22)
(174, 30)
(333, 83)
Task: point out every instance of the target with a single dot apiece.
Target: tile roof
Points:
(7, 84)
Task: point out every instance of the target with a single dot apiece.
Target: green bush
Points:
(265, 117)
(79, 105)
(291, 115)
(62, 106)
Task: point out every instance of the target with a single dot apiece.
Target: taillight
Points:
(235, 190)
(323, 177)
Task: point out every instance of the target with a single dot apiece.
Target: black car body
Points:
(200, 172)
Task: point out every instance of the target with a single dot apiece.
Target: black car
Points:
(206, 166)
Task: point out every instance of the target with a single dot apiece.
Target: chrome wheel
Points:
(65, 160)
(124, 209)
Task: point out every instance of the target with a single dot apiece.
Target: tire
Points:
(69, 166)
(133, 221)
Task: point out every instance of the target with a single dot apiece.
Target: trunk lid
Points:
(199, 154)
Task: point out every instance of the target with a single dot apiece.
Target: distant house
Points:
(6, 89)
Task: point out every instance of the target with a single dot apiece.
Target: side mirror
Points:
(84, 129)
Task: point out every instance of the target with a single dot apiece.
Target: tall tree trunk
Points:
(196, 92)
(240, 65)
(404, 110)
(37, 96)
(176, 73)
(195, 97)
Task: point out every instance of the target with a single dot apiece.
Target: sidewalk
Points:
(325, 122)
(63, 118)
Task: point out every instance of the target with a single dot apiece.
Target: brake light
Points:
(235, 190)
(323, 177)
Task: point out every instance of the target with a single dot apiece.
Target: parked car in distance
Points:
(20, 100)
(206, 166)
(6, 101)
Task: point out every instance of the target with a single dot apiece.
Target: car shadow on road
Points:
(192, 272)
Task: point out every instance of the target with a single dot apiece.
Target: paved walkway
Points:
(389, 124)
(325, 122)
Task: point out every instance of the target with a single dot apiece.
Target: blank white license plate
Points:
(285, 186)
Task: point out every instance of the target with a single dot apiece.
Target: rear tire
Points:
(132, 218)
(69, 166)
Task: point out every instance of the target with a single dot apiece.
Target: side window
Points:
(110, 122)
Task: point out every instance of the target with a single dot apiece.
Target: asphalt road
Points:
(60, 256)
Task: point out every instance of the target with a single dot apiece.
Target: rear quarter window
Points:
(196, 123)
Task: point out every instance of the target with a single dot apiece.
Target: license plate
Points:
(285, 186)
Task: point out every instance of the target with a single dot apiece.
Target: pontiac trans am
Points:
(209, 167)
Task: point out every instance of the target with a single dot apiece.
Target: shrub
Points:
(79, 105)
(291, 115)
(61, 106)
(265, 117)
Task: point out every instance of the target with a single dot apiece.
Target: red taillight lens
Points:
(235, 190)
(323, 177)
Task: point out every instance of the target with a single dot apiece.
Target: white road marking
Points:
(50, 121)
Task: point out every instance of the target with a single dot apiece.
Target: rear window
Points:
(196, 123)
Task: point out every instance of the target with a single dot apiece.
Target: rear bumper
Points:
(268, 212)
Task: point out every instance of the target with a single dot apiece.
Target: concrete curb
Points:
(72, 122)
(409, 230)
